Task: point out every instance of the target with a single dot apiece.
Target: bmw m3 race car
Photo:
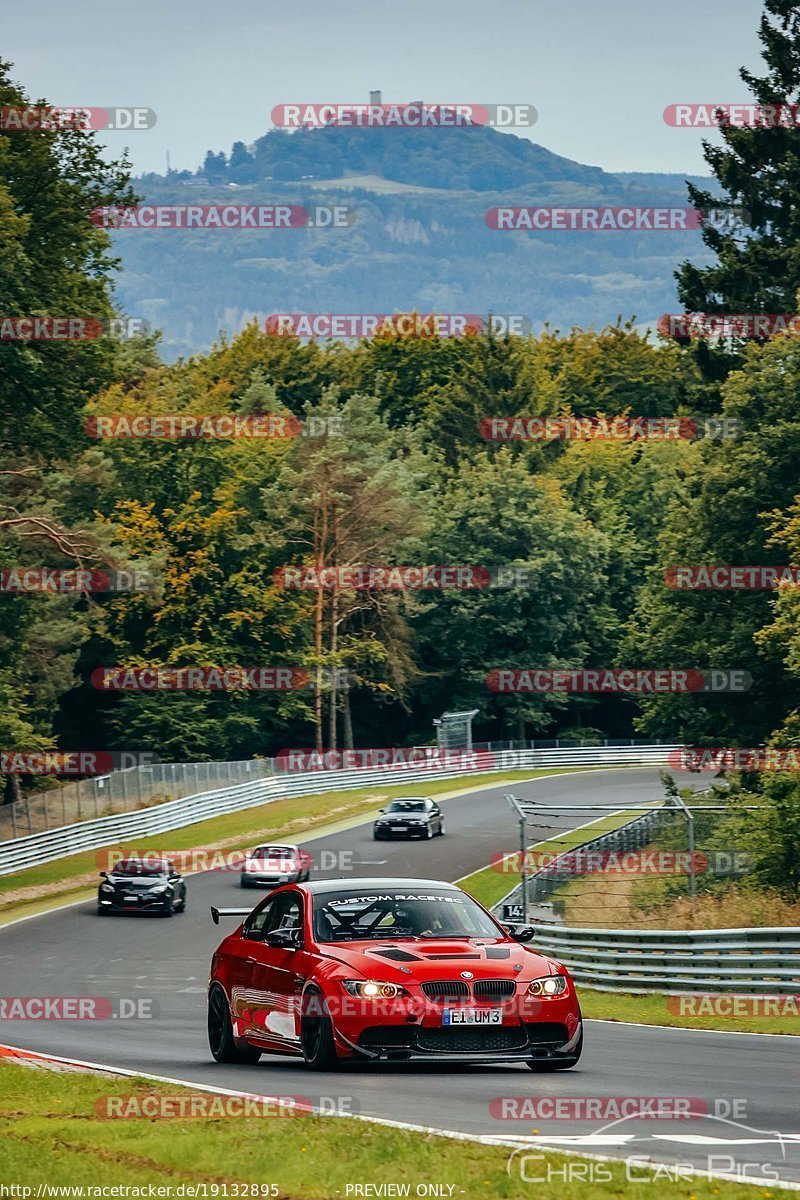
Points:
(387, 969)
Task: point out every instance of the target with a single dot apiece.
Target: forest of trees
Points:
(392, 469)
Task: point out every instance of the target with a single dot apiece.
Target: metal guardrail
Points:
(34, 849)
(135, 787)
(764, 961)
(121, 791)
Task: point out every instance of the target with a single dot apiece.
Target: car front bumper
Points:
(140, 904)
(389, 831)
(415, 1029)
(550, 1040)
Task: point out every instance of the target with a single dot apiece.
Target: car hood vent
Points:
(441, 956)
(396, 954)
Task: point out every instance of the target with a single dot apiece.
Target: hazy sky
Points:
(600, 75)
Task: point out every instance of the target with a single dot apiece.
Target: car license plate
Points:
(472, 1016)
(132, 898)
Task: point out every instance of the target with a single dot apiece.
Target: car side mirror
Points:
(381, 810)
(521, 933)
(104, 874)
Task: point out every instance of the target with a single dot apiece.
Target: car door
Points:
(436, 816)
(277, 976)
(244, 955)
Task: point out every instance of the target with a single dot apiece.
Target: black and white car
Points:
(409, 816)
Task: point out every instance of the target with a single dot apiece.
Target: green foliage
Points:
(759, 169)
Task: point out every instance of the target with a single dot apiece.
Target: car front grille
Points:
(472, 1039)
(445, 989)
(494, 989)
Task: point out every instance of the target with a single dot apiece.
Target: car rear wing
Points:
(216, 913)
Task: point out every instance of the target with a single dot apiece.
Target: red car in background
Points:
(377, 969)
(272, 865)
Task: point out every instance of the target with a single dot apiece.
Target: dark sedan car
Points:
(135, 886)
(410, 816)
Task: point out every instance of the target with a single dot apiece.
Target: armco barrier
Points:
(37, 848)
(752, 961)
(763, 961)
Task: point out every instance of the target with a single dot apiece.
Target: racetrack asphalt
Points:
(73, 952)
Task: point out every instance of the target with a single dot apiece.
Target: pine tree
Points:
(758, 268)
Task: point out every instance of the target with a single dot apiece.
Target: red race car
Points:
(378, 969)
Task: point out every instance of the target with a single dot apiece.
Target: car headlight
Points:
(548, 987)
(106, 887)
(373, 989)
(156, 891)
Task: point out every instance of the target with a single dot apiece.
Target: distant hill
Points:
(419, 239)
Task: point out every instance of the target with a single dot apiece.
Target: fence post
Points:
(523, 877)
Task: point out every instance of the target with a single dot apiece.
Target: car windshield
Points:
(403, 806)
(400, 914)
(274, 852)
(140, 868)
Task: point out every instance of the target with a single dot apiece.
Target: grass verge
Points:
(39, 888)
(50, 1135)
(651, 1009)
